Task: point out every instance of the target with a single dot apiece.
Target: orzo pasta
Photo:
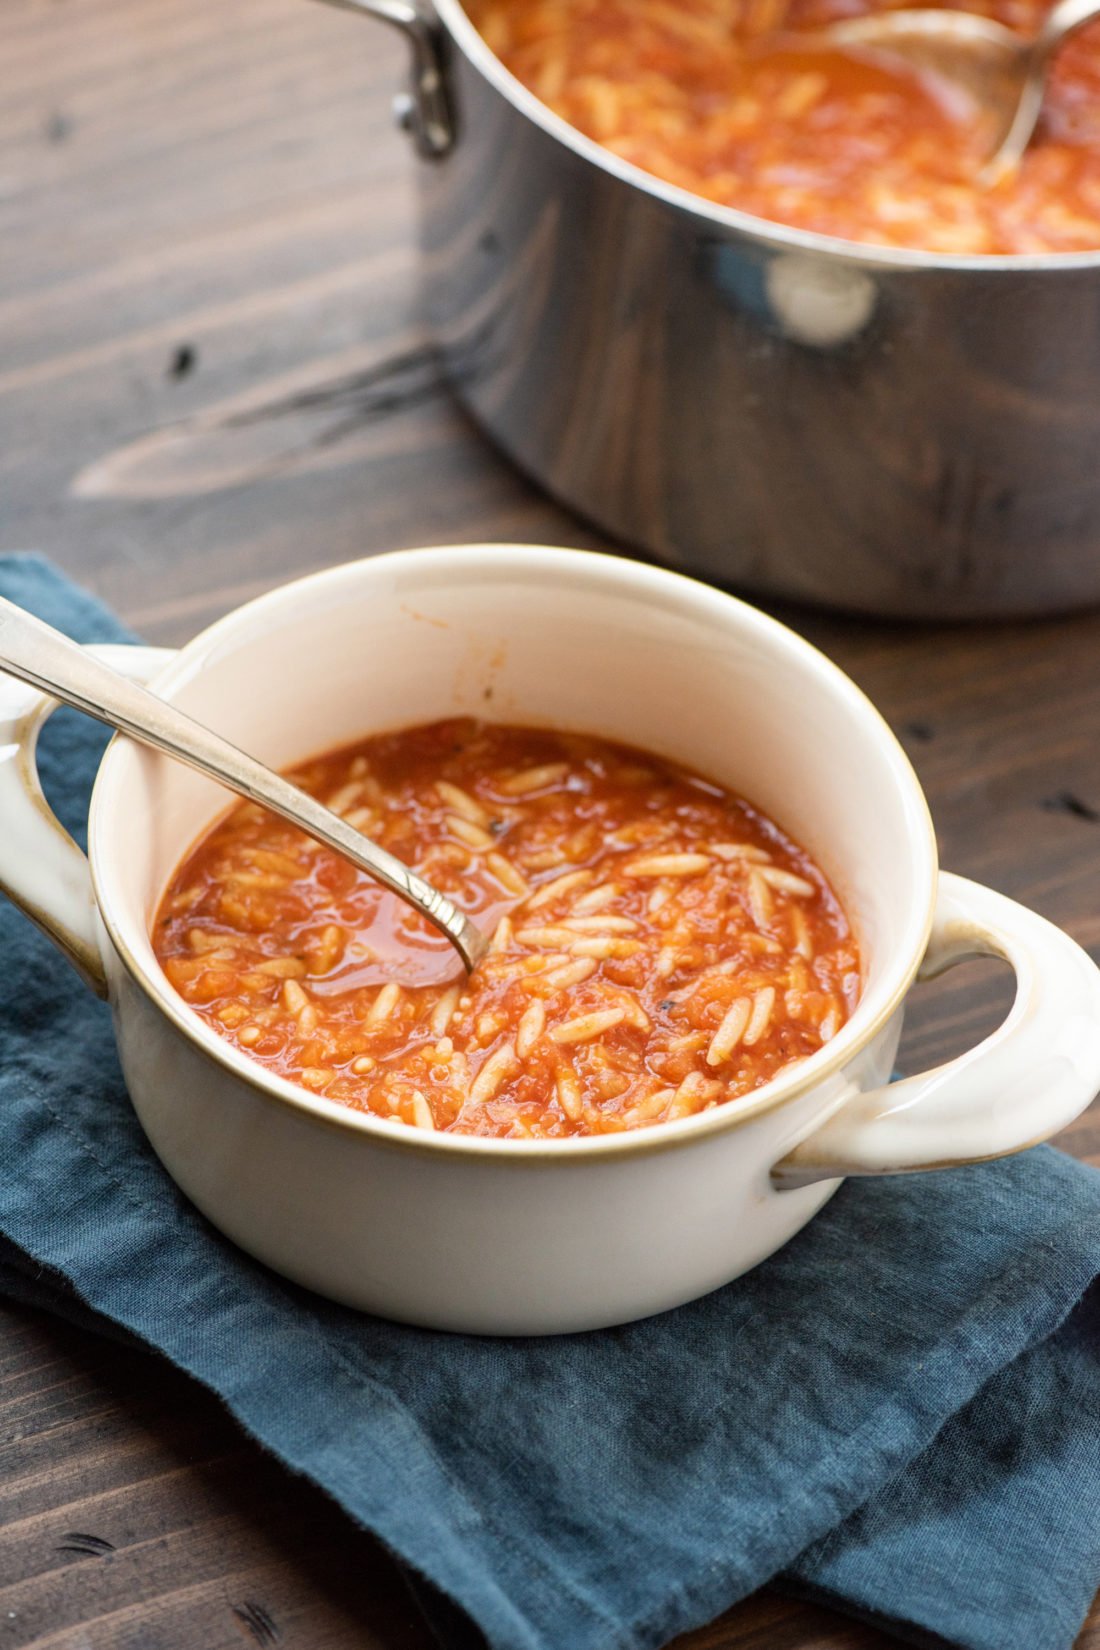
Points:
(659, 946)
(720, 97)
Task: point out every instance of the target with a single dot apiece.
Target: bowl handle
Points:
(1036, 1072)
(41, 868)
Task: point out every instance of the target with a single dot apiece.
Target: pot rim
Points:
(777, 236)
(811, 1073)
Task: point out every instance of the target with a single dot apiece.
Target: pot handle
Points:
(41, 868)
(1036, 1072)
(425, 113)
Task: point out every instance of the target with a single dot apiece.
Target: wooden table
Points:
(204, 211)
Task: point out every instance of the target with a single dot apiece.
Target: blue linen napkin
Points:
(899, 1413)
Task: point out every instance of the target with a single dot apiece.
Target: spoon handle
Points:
(1061, 21)
(49, 661)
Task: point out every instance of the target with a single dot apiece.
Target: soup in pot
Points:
(659, 946)
(724, 99)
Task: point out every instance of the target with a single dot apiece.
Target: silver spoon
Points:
(42, 656)
(997, 69)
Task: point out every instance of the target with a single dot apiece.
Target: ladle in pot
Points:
(996, 68)
(49, 661)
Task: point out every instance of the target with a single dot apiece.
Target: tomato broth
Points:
(659, 946)
(734, 101)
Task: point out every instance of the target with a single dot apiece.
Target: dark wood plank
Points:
(134, 1513)
(253, 205)
(205, 212)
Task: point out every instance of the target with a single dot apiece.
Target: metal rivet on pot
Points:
(403, 109)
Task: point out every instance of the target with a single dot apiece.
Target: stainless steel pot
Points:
(900, 433)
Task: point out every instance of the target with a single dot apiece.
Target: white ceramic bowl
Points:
(519, 1237)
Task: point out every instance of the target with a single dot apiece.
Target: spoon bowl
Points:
(998, 72)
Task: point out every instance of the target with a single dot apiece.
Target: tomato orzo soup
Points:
(730, 100)
(659, 946)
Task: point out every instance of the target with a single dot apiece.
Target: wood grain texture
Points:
(212, 379)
